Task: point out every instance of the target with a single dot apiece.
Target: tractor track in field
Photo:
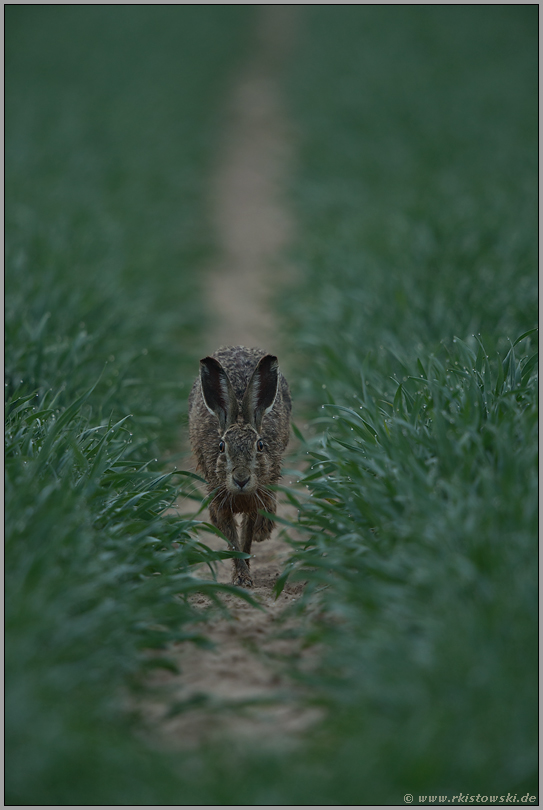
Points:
(247, 670)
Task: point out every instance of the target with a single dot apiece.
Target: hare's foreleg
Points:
(247, 529)
(263, 525)
(225, 521)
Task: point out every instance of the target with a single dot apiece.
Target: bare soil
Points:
(251, 223)
(247, 672)
(241, 688)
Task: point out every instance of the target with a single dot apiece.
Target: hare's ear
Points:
(261, 391)
(219, 396)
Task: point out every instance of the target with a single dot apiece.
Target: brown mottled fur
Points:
(239, 422)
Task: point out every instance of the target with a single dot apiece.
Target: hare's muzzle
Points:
(240, 481)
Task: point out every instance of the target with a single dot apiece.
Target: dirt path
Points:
(254, 646)
(251, 224)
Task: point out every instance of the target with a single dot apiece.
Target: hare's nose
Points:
(241, 482)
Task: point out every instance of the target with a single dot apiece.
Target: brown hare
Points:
(239, 423)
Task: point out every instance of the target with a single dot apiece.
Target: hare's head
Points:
(243, 459)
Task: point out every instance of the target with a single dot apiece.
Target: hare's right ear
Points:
(219, 396)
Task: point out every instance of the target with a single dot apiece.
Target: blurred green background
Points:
(414, 196)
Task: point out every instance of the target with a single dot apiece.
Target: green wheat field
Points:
(412, 325)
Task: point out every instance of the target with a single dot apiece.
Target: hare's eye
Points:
(260, 445)
(221, 446)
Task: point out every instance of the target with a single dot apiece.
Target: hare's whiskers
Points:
(260, 499)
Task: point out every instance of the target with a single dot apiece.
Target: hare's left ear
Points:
(261, 391)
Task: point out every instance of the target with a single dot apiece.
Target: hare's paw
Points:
(242, 580)
(241, 575)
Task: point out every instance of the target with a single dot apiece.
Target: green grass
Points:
(111, 117)
(421, 523)
(417, 185)
(416, 195)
